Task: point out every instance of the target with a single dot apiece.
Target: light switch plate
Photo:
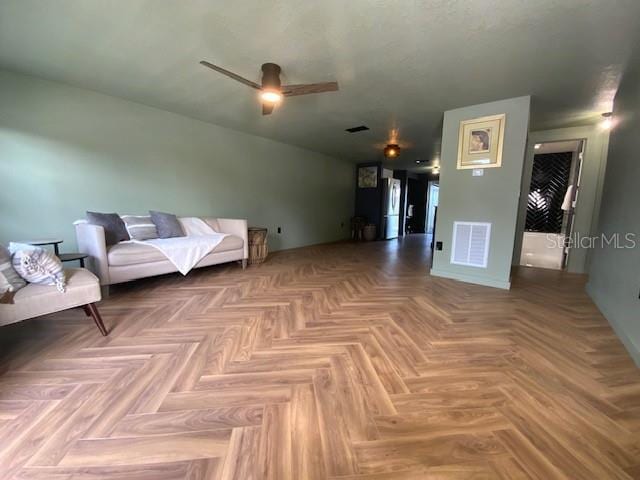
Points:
(477, 172)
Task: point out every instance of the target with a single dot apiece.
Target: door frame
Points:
(587, 209)
(430, 185)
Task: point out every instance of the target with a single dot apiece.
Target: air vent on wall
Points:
(360, 128)
(470, 244)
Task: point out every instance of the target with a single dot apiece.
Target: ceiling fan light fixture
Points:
(271, 96)
(392, 150)
(270, 89)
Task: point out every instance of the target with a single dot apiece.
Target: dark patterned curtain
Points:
(549, 183)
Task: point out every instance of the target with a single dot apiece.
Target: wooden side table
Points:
(258, 248)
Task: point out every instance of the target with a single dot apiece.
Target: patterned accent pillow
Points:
(114, 229)
(167, 224)
(140, 227)
(10, 281)
(37, 265)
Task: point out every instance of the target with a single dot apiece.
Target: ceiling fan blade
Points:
(229, 74)
(267, 108)
(306, 89)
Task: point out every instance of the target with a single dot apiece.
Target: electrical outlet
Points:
(279, 229)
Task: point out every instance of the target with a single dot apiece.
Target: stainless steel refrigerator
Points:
(390, 207)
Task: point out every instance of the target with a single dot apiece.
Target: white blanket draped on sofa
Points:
(186, 252)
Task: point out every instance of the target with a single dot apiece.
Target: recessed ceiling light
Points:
(537, 146)
(607, 123)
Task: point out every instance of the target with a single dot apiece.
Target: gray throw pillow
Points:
(114, 228)
(167, 224)
(10, 281)
(140, 227)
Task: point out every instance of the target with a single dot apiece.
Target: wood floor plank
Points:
(188, 421)
(200, 399)
(147, 450)
(241, 461)
(306, 442)
(339, 456)
(275, 443)
(161, 471)
(404, 454)
(429, 424)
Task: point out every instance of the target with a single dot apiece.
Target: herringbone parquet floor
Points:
(337, 361)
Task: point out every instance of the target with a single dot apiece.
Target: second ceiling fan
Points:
(271, 90)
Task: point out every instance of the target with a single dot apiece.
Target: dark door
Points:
(417, 196)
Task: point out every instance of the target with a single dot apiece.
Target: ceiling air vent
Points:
(470, 244)
(360, 128)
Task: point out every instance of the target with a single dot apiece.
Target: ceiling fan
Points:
(271, 91)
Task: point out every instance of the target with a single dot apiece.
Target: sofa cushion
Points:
(114, 228)
(167, 224)
(230, 242)
(129, 253)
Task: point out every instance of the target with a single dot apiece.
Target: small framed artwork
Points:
(368, 177)
(480, 142)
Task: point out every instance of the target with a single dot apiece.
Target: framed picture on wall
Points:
(480, 142)
(368, 177)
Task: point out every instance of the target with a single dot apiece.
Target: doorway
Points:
(554, 188)
(432, 206)
(416, 205)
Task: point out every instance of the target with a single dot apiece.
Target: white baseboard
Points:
(487, 282)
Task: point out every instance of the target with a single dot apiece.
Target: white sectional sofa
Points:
(126, 261)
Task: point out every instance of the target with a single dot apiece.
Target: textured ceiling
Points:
(399, 64)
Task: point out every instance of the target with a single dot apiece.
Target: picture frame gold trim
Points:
(368, 176)
(486, 151)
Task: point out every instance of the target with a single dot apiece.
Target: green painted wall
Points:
(65, 150)
(492, 197)
(614, 275)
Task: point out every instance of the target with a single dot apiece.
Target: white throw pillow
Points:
(37, 265)
(140, 227)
